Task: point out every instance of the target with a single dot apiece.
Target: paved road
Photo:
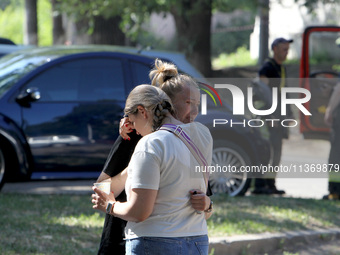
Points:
(302, 155)
(50, 187)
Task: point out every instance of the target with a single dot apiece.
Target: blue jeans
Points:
(190, 245)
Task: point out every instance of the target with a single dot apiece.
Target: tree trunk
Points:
(106, 31)
(264, 30)
(59, 35)
(31, 24)
(193, 22)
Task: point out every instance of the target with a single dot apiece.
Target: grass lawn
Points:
(67, 224)
(259, 214)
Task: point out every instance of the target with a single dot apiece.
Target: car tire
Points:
(228, 156)
(3, 173)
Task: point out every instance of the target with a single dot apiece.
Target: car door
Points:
(319, 72)
(75, 122)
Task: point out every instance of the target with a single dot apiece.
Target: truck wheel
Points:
(228, 157)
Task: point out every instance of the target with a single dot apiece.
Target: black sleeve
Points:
(269, 70)
(209, 191)
(120, 154)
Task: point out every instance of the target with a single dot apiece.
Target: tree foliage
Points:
(311, 4)
(131, 12)
(11, 20)
(192, 18)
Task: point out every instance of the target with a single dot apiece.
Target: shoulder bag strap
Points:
(179, 132)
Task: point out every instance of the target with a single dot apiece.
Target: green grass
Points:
(67, 224)
(259, 214)
(239, 58)
(58, 224)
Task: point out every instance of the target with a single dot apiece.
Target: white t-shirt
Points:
(161, 161)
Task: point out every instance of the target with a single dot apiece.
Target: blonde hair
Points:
(153, 99)
(166, 77)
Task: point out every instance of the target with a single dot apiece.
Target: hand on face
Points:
(125, 127)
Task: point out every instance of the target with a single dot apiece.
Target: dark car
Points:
(60, 108)
(6, 41)
(9, 48)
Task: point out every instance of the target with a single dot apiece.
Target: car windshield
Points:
(13, 67)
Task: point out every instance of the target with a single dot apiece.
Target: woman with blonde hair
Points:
(161, 178)
(185, 98)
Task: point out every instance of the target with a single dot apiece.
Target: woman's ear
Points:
(142, 110)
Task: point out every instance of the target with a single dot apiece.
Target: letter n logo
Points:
(210, 91)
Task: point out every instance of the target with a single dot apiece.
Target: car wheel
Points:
(229, 157)
(2, 168)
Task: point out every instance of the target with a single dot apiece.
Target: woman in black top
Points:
(175, 85)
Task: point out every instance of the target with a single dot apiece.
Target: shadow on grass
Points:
(258, 214)
(51, 224)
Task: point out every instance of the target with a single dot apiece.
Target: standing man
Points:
(273, 74)
(332, 118)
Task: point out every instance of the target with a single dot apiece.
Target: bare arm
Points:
(118, 182)
(138, 208)
(103, 177)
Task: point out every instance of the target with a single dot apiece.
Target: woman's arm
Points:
(138, 208)
(118, 182)
(103, 177)
(200, 202)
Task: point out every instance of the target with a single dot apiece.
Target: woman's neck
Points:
(171, 120)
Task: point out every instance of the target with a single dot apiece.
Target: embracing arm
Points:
(138, 208)
(200, 202)
(118, 182)
(103, 177)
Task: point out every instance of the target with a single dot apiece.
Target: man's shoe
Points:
(262, 191)
(331, 196)
(278, 192)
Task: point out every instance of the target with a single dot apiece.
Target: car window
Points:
(86, 79)
(140, 73)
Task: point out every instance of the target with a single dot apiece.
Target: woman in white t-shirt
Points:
(162, 176)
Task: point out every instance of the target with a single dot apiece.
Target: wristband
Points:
(109, 207)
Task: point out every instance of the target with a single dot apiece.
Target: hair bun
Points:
(162, 72)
